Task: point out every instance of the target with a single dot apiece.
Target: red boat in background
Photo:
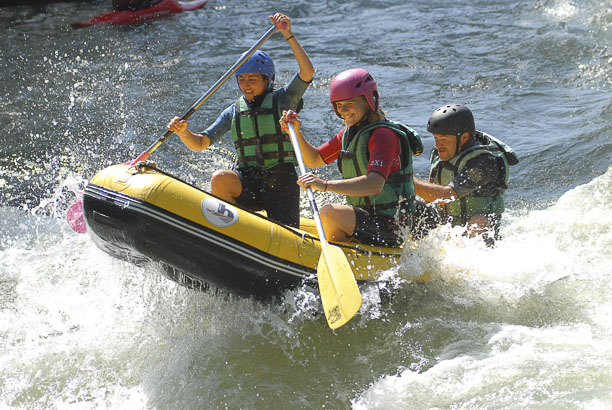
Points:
(161, 9)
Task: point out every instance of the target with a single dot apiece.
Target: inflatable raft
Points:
(137, 212)
(161, 9)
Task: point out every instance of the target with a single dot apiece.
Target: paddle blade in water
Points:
(74, 216)
(339, 291)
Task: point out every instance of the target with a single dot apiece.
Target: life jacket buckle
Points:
(345, 154)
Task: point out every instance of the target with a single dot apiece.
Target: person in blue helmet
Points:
(264, 176)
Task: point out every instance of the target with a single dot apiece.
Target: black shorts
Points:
(274, 190)
(379, 230)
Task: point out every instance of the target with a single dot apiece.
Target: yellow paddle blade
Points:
(339, 292)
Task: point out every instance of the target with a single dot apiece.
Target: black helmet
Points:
(451, 119)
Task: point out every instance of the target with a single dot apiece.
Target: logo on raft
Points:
(219, 214)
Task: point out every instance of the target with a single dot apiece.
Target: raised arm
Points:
(283, 24)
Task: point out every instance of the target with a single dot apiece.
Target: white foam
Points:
(552, 270)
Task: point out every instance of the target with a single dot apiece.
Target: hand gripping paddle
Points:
(339, 291)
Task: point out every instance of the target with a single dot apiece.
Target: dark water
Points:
(526, 324)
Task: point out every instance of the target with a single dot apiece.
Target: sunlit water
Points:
(525, 324)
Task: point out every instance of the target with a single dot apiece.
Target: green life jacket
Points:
(257, 135)
(442, 173)
(398, 191)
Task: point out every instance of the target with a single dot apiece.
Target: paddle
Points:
(75, 211)
(339, 292)
(145, 154)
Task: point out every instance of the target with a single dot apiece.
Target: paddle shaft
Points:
(337, 285)
(145, 154)
(311, 198)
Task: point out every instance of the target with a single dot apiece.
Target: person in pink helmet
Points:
(374, 156)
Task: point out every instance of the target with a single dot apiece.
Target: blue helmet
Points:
(260, 63)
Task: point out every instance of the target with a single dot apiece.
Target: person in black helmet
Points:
(468, 174)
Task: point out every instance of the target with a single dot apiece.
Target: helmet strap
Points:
(458, 148)
(376, 98)
(459, 145)
(270, 86)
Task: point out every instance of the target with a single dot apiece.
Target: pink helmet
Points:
(353, 83)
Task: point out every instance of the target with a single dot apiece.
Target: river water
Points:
(525, 324)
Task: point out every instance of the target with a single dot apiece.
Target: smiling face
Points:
(252, 85)
(353, 110)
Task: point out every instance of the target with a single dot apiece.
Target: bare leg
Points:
(338, 222)
(226, 185)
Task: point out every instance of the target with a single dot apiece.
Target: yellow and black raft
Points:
(140, 212)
